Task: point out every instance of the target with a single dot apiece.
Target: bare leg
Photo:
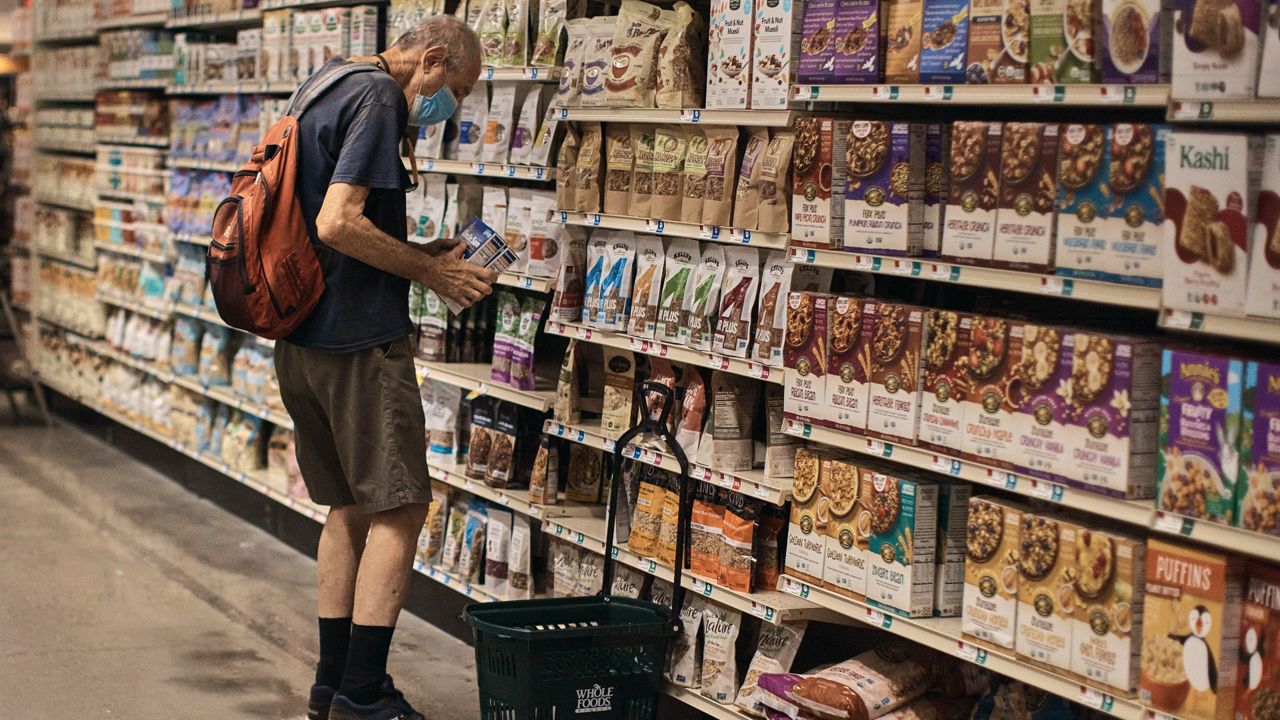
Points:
(386, 565)
(342, 543)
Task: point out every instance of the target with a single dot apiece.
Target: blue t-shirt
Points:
(352, 134)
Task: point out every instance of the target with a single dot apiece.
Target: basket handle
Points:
(659, 427)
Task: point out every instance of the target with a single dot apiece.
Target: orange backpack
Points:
(262, 269)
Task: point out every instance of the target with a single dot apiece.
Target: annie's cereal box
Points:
(1083, 197)
(902, 22)
(1200, 422)
(946, 381)
(775, 49)
(1134, 223)
(999, 39)
(973, 190)
(898, 336)
(904, 515)
(1210, 192)
(991, 407)
(729, 62)
(991, 570)
(806, 544)
(948, 576)
(1107, 619)
(1258, 488)
(1062, 42)
(944, 41)
(1263, 294)
(1046, 590)
(1135, 42)
(849, 363)
(817, 43)
(819, 170)
(1192, 625)
(884, 200)
(858, 42)
(1215, 49)
(1259, 690)
(1028, 192)
(1044, 366)
(848, 490)
(804, 356)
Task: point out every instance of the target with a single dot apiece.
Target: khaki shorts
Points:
(358, 424)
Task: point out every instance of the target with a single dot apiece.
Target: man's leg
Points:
(337, 560)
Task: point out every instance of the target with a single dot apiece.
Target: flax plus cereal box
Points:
(849, 363)
(775, 49)
(1084, 194)
(991, 406)
(937, 148)
(1258, 696)
(999, 38)
(1200, 425)
(1062, 42)
(1216, 44)
(857, 42)
(948, 576)
(729, 63)
(848, 490)
(973, 191)
(884, 200)
(819, 170)
(992, 542)
(806, 543)
(944, 41)
(1028, 191)
(1135, 42)
(1044, 366)
(946, 381)
(1135, 216)
(904, 517)
(902, 26)
(1258, 487)
(1107, 620)
(1046, 590)
(1263, 294)
(898, 335)
(1190, 649)
(804, 357)
(818, 43)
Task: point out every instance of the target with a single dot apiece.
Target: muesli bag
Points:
(682, 77)
(586, 191)
(566, 170)
(771, 316)
(508, 318)
(650, 259)
(515, 47)
(719, 655)
(632, 71)
(544, 235)
(532, 309)
(473, 117)
(746, 201)
(526, 130)
(642, 149)
(775, 651)
(551, 20)
(694, 182)
(497, 132)
(775, 184)
(685, 667)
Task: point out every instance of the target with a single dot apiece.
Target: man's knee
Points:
(407, 519)
(350, 519)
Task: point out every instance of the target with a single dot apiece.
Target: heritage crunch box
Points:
(1263, 294)
(1215, 49)
(1108, 617)
(804, 357)
(898, 335)
(948, 577)
(1258, 487)
(904, 516)
(1134, 223)
(992, 543)
(819, 165)
(1083, 197)
(991, 407)
(884, 201)
(944, 42)
(806, 544)
(775, 48)
(1200, 422)
(848, 492)
(857, 42)
(1193, 598)
(973, 190)
(1028, 192)
(848, 364)
(1046, 590)
(1044, 367)
(1259, 643)
(946, 381)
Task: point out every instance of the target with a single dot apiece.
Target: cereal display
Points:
(991, 407)
(993, 547)
(1216, 48)
(1258, 487)
(804, 355)
(1047, 597)
(904, 517)
(820, 164)
(973, 191)
(1262, 296)
(1025, 216)
(848, 491)
(1200, 424)
(1107, 621)
(1083, 196)
(884, 201)
(948, 579)
(806, 534)
(1133, 36)
(946, 380)
(849, 363)
(943, 41)
(898, 337)
(1044, 367)
(999, 37)
(1258, 695)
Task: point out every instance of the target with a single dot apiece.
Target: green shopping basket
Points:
(599, 657)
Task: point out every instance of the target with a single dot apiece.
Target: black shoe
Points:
(391, 706)
(321, 699)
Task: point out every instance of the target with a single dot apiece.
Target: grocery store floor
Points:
(126, 596)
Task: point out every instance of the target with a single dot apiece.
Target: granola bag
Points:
(566, 561)
(722, 165)
(471, 560)
(491, 28)
(497, 558)
(532, 309)
(706, 521)
(685, 666)
(566, 170)
(544, 483)
(586, 190)
(567, 408)
(644, 296)
(727, 444)
(500, 469)
(548, 131)
(719, 654)
(515, 48)
(497, 131)
(865, 687)
(442, 422)
(544, 235)
(473, 118)
(619, 161)
(595, 67)
(702, 302)
(633, 56)
(627, 582)
(619, 382)
(615, 286)
(681, 73)
(775, 652)
(747, 198)
(585, 468)
(670, 525)
(454, 531)
(504, 336)
(694, 182)
(597, 261)
(677, 274)
(551, 20)
(566, 303)
(481, 439)
(775, 184)
(642, 145)
(526, 130)
(737, 301)
(693, 412)
(646, 517)
(670, 145)
(773, 520)
(520, 560)
(590, 574)
(519, 224)
(771, 315)
(736, 568)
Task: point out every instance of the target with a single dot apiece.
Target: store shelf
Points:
(475, 378)
(81, 330)
(704, 704)
(229, 166)
(224, 395)
(253, 87)
(449, 580)
(1253, 329)
(1237, 539)
(207, 21)
(534, 74)
(943, 635)
(210, 315)
(454, 475)
(69, 37)
(162, 313)
(57, 97)
(103, 349)
(481, 169)
(712, 233)
(140, 140)
(190, 238)
(130, 197)
(739, 118)
(131, 251)
(1258, 111)
(1146, 96)
(678, 353)
(135, 84)
(64, 147)
(527, 282)
(1133, 296)
(775, 491)
(82, 206)
(67, 258)
(129, 22)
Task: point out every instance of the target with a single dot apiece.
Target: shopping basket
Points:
(599, 657)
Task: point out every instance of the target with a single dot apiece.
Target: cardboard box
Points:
(858, 57)
(849, 361)
(1028, 189)
(944, 41)
(904, 517)
(1194, 598)
(335, 36)
(1200, 404)
(729, 63)
(991, 570)
(363, 39)
(848, 491)
(1269, 82)
(1136, 42)
(898, 336)
(804, 357)
(1134, 225)
(806, 542)
(1062, 42)
(1259, 643)
(997, 50)
(902, 26)
(973, 190)
(1046, 590)
(1042, 433)
(884, 203)
(277, 34)
(776, 49)
(948, 578)
(817, 43)
(991, 411)
(1263, 292)
(248, 50)
(1258, 487)
(1215, 49)
(1083, 197)
(937, 150)
(819, 169)
(1108, 617)
(946, 381)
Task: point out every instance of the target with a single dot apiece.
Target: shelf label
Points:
(560, 430)
(762, 611)
(539, 173)
(1045, 490)
(739, 235)
(582, 437)
(946, 465)
(511, 170)
(1096, 699)
(879, 447)
(884, 92)
(759, 491)
(1183, 320)
(795, 587)
(813, 90)
(940, 93)
(876, 617)
(1047, 93)
(593, 218)
(972, 653)
(715, 362)
(651, 567)
(1054, 285)
(482, 389)
(582, 333)
(564, 217)
(1176, 524)
(564, 113)
(705, 588)
(531, 73)
(757, 371)
(638, 345)
(690, 116)
(656, 227)
(488, 73)
(526, 282)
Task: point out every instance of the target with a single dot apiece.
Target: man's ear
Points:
(434, 56)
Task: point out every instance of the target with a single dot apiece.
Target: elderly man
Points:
(346, 374)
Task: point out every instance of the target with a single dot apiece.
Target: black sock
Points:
(335, 638)
(366, 663)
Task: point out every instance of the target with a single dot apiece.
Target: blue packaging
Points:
(945, 41)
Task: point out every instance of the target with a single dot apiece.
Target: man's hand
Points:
(456, 279)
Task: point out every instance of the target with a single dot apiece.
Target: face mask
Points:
(432, 110)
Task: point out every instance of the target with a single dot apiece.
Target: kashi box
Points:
(806, 542)
(902, 24)
(1028, 191)
(1194, 599)
(999, 36)
(804, 357)
(898, 335)
(1108, 616)
(729, 63)
(1112, 398)
(775, 48)
(973, 191)
(849, 363)
(819, 166)
(1133, 227)
(1062, 42)
(848, 491)
(1042, 435)
(991, 408)
(1200, 423)
(992, 542)
(948, 576)
(944, 41)
(1259, 688)
(857, 42)
(1258, 487)
(817, 43)
(904, 517)
(884, 200)
(1046, 590)
(1263, 293)
(1215, 49)
(937, 150)
(946, 380)
(1135, 37)
(1083, 198)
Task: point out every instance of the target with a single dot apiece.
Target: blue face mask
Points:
(432, 110)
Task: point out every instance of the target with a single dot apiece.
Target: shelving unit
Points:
(1256, 111)
(1136, 96)
(1253, 329)
(229, 166)
(67, 258)
(739, 118)
(487, 169)
(474, 377)
(527, 282)
(712, 233)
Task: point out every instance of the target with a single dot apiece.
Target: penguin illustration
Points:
(1197, 657)
(1251, 658)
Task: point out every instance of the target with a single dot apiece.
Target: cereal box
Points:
(364, 30)
(849, 361)
(819, 169)
(1200, 423)
(1135, 38)
(991, 570)
(944, 42)
(1083, 198)
(729, 63)
(973, 190)
(1112, 399)
(902, 24)
(884, 202)
(806, 544)
(1046, 590)
(1258, 488)
(948, 576)
(1134, 225)
(937, 148)
(1045, 365)
(1107, 620)
(1259, 689)
(804, 357)
(1062, 42)
(857, 42)
(848, 491)
(990, 408)
(946, 381)
(277, 30)
(817, 43)
(898, 335)
(999, 35)
(1215, 49)
(777, 40)
(1192, 619)
(1025, 218)
(1263, 294)
(1269, 82)
(904, 517)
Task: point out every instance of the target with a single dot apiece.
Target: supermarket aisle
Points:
(125, 596)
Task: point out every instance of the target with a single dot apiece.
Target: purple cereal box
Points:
(884, 201)
(1200, 420)
(1258, 487)
(857, 42)
(1045, 367)
(817, 43)
(1134, 33)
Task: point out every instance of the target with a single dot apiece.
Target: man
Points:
(347, 375)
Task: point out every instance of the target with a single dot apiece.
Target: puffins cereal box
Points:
(999, 40)
(1259, 690)
(1043, 368)
(1083, 198)
(991, 407)
(1190, 642)
(819, 163)
(973, 190)
(1108, 616)
(848, 491)
(1046, 590)
(1263, 293)
(944, 42)
(1258, 487)
(992, 545)
(849, 363)
(1200, 423)
(804, 356)
(1028, 193)
(884, 199)
(898, 335)
(1215, 49)
(946, 380)
(1135, 218)
(904, 516)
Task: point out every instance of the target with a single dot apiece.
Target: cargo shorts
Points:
(359, 429)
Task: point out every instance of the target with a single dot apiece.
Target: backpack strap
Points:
(320, 83)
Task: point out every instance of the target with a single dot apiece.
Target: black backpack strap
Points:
(318, 84)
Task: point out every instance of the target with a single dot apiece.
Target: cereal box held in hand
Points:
(1200, 423)
(946, 382)
(804, 357)
(848, 492)
(991, 570)
(1216, 45)
(898, 336)
(1046, 590)
(973, 191)
(1258, 488)
(904, 516)
(1083, 197)
(1107, 621)
(884, 201)
(1259, 691)
(1263, 293)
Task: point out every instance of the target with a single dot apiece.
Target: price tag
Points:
(526, 282)
(1170, 523)
(759, 372)
(1096, 699)
(582, 333)
(876, 617)
(1053, 285)
(759, 491)
(879, 447)
(651, 567)
(488, 73)
(884, 92)
(939, 271)
(511, 170)
(614, 553)
(901, 267)
(740, 236)
(656, 227)
(655, 459)
(539, 173)
(593, 219)
(477, 168)
(705, 588)
(972, 653)
(531, 73)
(564, 113)
(1048, 93)
(560, 430)
(564, 217)
(690, 116)
(937, 93)
(637, 345)
(636, 452)
(715, 362)
(582, 437)
(1183, 320)
(761, 611)
(949, 466)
